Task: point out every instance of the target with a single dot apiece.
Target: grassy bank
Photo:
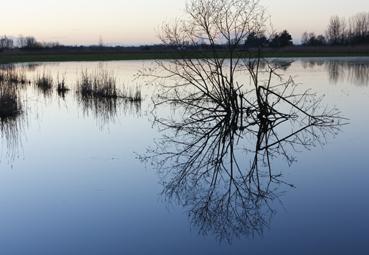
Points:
(109, 55)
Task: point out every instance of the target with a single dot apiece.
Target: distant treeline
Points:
(254, 40)
(25, 42)
(340, 32)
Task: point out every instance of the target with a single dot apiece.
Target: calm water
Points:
(72, 180)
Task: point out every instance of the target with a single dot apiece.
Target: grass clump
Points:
(103, 85)
(99, 85)
(44, 82)
(98, 94)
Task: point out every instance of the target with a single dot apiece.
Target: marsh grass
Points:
(15, 77)
(102, 84)
(98, 94)
(44, 82)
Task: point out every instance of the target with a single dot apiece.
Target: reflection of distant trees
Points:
(282, 64)
(333, 71)
(359, 73)
(7, 67)
(356, 72)
(30, 66)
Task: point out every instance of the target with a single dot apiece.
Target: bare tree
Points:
(199, 77)
(361, 24)
(336, 31)
(310, 39)
(101, 42)
(224, 99)
(28, 42)
(6, 43)
(305, 38)
(355, 31)
(359, 28)
(223, 26)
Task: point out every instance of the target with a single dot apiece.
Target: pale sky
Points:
(132, 22)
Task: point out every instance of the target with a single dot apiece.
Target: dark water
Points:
(72, 180)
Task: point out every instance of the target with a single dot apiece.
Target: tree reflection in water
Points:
(356, 71)
(216, 159)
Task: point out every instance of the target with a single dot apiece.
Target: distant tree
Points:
(256, 40)
(101, 42)
(51, 45)
(358, 32)
(28, 42)
(321, 40)
(6, 43)
(305, 38)
(32, 43)
(310, 39)
(336, 32)
(282, 39)
(21, 41)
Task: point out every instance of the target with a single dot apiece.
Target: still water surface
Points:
(72, 180)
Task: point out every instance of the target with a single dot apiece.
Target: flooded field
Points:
(93, 160)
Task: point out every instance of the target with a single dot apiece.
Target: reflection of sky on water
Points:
(78, 188)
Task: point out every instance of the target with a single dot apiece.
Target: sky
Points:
(137, 22)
